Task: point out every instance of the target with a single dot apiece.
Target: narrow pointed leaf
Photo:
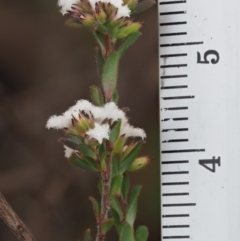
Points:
(107, 225)
(129, 41)
(87, 235)
(82, 163)
(116, 184)
(128, 160)
(100, 41)
(126, 233)
(76, 139)
(117, 207)
(142, 233)
(142, 6)
(117, 222)
(110, 74)
(125, 186)
(132, 205)
(115, 96)
(115, 167)
(86, 151)
(115, 131)
(100, 61)
(96, 95)
(96, 208)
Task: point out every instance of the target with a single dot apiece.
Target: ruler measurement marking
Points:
(175, 237)
(175, 173)
(175, 119)
(172, 55)
(178, 129)
(180, 44)
(176, 108)
(179, 204)
(175, 140)
(175, 194)
(175, 215)
(173, 23)
(178, 97)
(170, 13)
(172, 2)
(172, 34)
(173, 66)
(176, 226)
(174, 162)
(174, 183)
(183, 150)
(173, 76)
(174, 87)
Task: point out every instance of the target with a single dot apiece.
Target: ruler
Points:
(200, 119)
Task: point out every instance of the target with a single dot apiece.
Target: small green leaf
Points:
(103, 160)
(107, 225)
(84, 164)
(100, 61)
(142, 233)
(128, 160)
(126, 233)
(96, 208)
(115, 167)
(129, 41)
(76, 139)
(115, 96)
(119, 144)
(100, 41)
(86, 151)
(96, 95)
(116, 184)
(115, 131)
(132, 205)
(142, 6)
(110, 74)
(117, 207)
(87, 235)
(125, 186)
(117, 222)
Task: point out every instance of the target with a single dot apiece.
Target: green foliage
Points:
(87, 235)
(142, 6)
(125, 186)
(116, 184)
(128, 42)
(117, 207)
(132, 205)
(142, 233)
(107, 225)
(127, 233)
(100, 61)
(115, 96)
(89, 164)
(115, 131)
(96, 208)
(110, 74)
(86, 150)
(128, 160)
(117, 222)
(96, 95)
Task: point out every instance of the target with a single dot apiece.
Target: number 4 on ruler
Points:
(206, 162)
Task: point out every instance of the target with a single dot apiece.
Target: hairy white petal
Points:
(66, 5)
(68, 151)
(58, 122)
(131, 131)
(99, 132)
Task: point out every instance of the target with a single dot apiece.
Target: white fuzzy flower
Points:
(66, 5)
(99, 132)
(131, 131)
(123, 10)
(68, 151)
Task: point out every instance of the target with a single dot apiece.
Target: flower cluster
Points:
(88, 128)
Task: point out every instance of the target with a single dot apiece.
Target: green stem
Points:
(105, 201)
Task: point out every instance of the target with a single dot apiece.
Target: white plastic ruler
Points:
(200, 119)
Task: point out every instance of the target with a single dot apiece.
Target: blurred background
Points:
(44, 68)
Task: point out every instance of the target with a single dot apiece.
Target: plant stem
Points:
(15, 224)
(105, 202)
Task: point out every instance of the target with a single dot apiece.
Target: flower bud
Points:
(88, 20)
(125, 31)
(101, 16)
(139, 163)
(118, 145)
(128, 149)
